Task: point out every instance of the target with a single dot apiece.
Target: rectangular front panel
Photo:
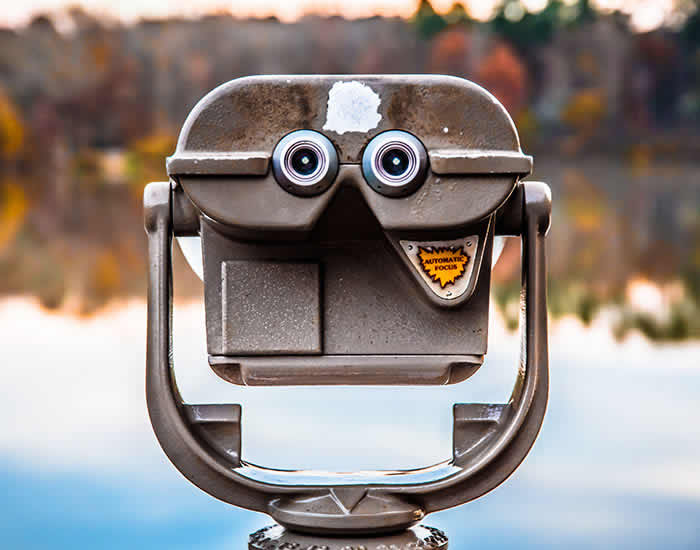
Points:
(332, 298)
(372, 306)
(270, 307)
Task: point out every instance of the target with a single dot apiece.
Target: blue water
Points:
(617, 464)
(74, 512)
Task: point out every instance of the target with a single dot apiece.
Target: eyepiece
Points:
(395, 163)
(305, 162)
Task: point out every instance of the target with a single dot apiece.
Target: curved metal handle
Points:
(187, 450)
(490, 441)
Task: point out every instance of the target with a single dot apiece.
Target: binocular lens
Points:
(305, 162)
(395, 163)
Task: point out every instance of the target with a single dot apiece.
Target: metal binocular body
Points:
(347, 226)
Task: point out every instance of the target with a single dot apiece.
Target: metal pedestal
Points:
(347, 286)
(276, 537)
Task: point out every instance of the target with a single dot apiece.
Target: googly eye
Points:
(395, 163)
(305, 163)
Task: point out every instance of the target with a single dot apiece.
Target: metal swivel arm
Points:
(490, 441)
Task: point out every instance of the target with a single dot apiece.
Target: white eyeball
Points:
(305, 162)
(395, 163)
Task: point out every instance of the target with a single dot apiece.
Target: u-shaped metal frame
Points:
(490, 441)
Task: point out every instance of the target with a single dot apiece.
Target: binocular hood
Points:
(471, 164)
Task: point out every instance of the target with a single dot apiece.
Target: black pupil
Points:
(304, 161)
(395, 162)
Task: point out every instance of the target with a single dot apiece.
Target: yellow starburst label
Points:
(443, 265)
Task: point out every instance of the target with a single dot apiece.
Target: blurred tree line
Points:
(88, 113)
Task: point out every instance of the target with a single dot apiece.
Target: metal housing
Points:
(347, 286)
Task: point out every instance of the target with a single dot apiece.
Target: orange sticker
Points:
(443, 265)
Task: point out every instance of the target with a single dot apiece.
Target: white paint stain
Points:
(352, 107)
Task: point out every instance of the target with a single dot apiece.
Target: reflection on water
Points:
(619, 445)
(616, 231)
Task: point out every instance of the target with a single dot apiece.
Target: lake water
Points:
(617, 464)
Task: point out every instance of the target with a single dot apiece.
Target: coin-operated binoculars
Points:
(347, 226)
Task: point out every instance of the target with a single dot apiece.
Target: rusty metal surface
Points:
(229, 163)
(387, 370)
(461, 125)
(367, 312)
(251, 114)
(370, 287)
(260, 206)
(460, 161)
(281, 314)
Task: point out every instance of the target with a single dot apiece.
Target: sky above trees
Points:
(645, 14)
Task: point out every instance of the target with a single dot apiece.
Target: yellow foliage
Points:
(585, 110)
(13, 210)
(526, 123)
(583, 203)
(585, 215)
(106, 276)
(159, 145)
(146, 159)
(11, 127)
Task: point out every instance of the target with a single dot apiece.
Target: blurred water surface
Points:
(91, 106)
(617, 464)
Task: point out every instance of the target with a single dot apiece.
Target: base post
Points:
(276, 537)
